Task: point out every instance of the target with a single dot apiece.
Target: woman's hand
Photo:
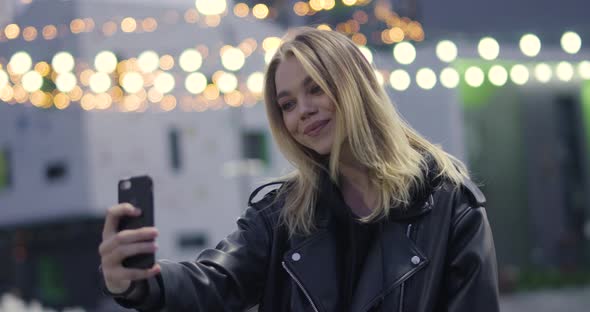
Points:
(116, 246)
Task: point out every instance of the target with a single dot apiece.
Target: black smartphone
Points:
(139, 192)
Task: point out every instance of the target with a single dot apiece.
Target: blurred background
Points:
(95, 91)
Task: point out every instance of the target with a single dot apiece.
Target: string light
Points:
(488, 48)
(446, 51)
(63, 62)
(20, 63)
(195, 83)
(519, 74)
(190, 60)
(449, 78)
(32, 81)
(255, 82)
(543, 72)
(426, 78)
(474, 76)
(498, 75)
(164, 83)
(100, 82)
(404, 53)
(367, 53)
(571, 42)
(530, 45)
(584, 70)
(399, 80)
(564, 71)
(66, 82)
(211, 7)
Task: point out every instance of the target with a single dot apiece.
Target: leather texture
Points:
(437, 254)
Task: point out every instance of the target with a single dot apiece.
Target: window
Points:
(174, 146)
(194, 240)
(5, 169)
(56, 171)
(254, 146)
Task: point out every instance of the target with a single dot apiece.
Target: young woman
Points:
(374, 217)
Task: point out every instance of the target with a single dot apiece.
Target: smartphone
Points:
(139, 192)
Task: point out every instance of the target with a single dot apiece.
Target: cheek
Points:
(290, 123)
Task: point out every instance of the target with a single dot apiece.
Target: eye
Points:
(287, 106)
(316, 90)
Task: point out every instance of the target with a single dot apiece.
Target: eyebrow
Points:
(305, 82)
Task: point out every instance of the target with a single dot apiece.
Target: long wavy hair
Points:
(394, 154)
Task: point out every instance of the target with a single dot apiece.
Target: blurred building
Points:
(523, 130)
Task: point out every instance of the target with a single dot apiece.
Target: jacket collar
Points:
(421, 204)
(389, 260)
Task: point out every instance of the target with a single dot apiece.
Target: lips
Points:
(315, 127)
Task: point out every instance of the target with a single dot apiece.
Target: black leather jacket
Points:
(437, 255)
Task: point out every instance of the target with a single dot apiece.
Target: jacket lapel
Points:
(391, 260)
(312, 263)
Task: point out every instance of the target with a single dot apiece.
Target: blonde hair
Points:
(394, 154)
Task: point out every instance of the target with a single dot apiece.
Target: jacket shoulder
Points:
(474, 195)
(269, 198)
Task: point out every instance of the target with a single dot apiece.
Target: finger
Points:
(127, 237)
(123, 273)
(113, 216)
(117, 255)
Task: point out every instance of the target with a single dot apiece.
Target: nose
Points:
(307, 109)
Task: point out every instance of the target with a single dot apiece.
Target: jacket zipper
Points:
(401, 300)
(300, 286)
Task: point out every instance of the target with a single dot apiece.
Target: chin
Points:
(321, 150)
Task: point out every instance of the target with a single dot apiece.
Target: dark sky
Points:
(504, 18)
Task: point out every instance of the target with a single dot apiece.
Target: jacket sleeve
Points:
(229, 277)
(471, 281)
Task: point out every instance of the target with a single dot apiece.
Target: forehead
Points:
(290, 73)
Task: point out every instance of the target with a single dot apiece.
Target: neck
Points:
(355, 179)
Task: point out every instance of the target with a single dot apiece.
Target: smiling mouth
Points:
(315, 131)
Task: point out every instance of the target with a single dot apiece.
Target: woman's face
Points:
(308, 112)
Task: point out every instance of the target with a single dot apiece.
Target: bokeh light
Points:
(543, 72)
(233, 58)
(519, 74)
(63, 62)
(367, 53)
(474, 76)
(132, 82)
(449, 78)
(404, 53)
(227, 82)
(211, 7)
(399, 80)
(190, 60)
(564, 71)
(20, 63)
(100, 82)
(105, 61)
(32, 81)
(530, 45)
(260, 11)
(66, 82)
(164, 83)
(488, 48)
(498, 75)
(3, 79)
(426, 78)
(195, 83)
(446, 51)
(584, 70)
(255, 82)
(148, 61)
(571, 42)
